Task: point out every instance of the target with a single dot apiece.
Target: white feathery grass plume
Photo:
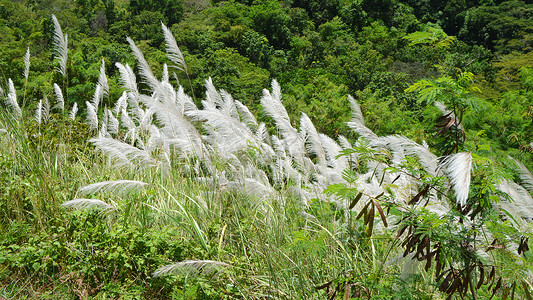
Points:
(177, 129)
(92, 117)
(261, 133)
(173, 51)
(121, 103)
(229, 134)
(525, 176)
(122, 154)
(45, 110)
(39, 112)
(103, 127)
(116, 187)
(400, 146)
(345, 144)
(312, 140)
(164, 74)
(332, 150)
(74, 111)
(362, 130)
(127, 121)
(253, 187)
(357, 115)
(274, 108)
(127, 77)
(458, 168)
(59, 97)
(191, 268)
(12, 99)
(144, 67)
(212, 97)
(185, 101)
(60, 47)
(228, 105)
(521, 204)
(102, 79)
(112, 123)
(98, 94)
(245, 115)
(27, 64)
(81, 203)
(146, 121)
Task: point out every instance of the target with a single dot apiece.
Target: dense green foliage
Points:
(397, 58)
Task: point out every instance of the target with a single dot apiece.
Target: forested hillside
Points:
(253, 149)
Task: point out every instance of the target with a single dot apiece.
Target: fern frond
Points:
(60, 47)
(191, 268)
(117, 187)
(458, 169)
(27, 64)
(82, 203)
(59, 97)
(173, 51)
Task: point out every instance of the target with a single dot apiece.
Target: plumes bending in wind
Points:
(117, 187)
(144, 68)
(60, 47)
(27, 64)
(274, 108)
(122, 154)
(82, 203)
(458, 168)
(191, 268)
(173, 51)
